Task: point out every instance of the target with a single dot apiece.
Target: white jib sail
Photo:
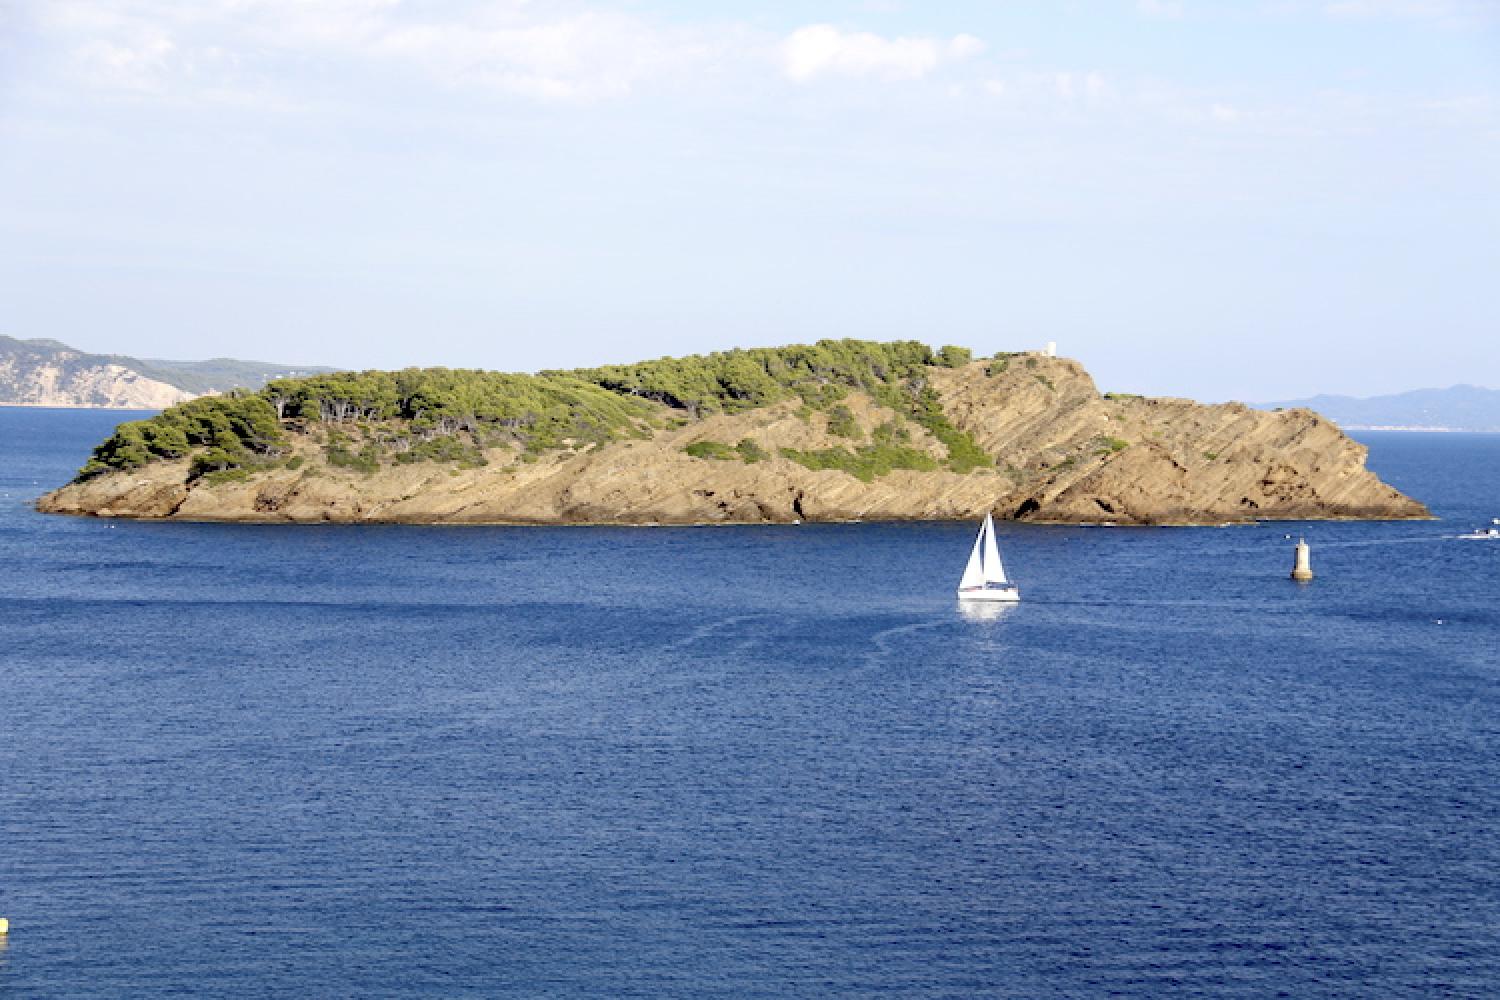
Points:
(974, 572)
(994, 572)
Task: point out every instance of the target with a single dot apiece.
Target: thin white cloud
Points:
(1452, 12)
(1081, 86)
(583, 57)
(502, 46)
(138, 64)
(822, 50)
(1066, 88)
(1159, 8)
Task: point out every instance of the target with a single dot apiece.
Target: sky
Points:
(1263, 199)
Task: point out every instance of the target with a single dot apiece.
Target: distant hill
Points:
(1458, 408)
(49, 373)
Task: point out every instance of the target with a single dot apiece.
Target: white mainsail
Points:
(974, 571)
(994, 572)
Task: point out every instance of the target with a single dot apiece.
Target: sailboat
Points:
(984, 577)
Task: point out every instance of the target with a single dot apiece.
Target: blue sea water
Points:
(747, 762)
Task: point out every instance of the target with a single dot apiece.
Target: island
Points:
(840, 430)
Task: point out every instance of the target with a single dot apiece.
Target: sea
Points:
(780, 761)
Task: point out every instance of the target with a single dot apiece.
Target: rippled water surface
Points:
(741, 762)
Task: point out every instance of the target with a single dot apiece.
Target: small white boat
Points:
(984, 576)
(1485, 533)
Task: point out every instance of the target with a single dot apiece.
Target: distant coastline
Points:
(1456, 409)
(48, 373)
(1417, 430)
(81, 406)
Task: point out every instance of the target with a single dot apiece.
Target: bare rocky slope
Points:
(58, 381)
(49, 373)
(1061, 451)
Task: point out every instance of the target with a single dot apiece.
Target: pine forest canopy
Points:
(453, 414)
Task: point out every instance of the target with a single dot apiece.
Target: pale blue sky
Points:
(1254, 200)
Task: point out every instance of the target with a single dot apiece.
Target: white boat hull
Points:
(996, 595)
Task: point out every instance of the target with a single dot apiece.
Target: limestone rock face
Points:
(49, 373)
(1062, 453)
(95, 385)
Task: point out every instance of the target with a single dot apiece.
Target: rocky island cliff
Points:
(840, 430)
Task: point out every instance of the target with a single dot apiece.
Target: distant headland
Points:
(1456, 408)
(835, 431)
(50, 373)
